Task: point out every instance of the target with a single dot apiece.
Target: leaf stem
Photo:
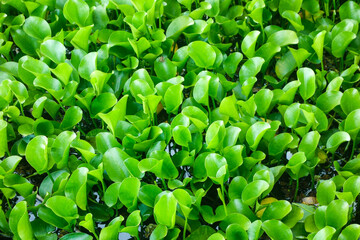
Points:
(184, 231)
(353, 149)
(296, 189)
(223, 198)
(51, 178)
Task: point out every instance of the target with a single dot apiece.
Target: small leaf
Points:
(37, 155)
(277, 230)
(202, 53)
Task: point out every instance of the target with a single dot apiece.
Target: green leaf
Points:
(177, 26)
(277, 210)
(326, 233)
(277, 230)
(76, 11)
(336, 140)
(253, 191)
(63, 207)
(75, 188)
(263, 100)
(351, 232)
(37, 27)
(352, 125)
(54, 50)
(72, 117)
(128, 191)
(340, 43)
(173, 98)
(215, 134)
(306, 77)
(350, 10)
(202, 53)
(165, 209)
(114, 164)
(19, 222)
(255, 133)
(279, 143)
(36, 153)
(231, 63)
(216, 168)
(182, 135)
(326, 192)
(249, 43)
(350, 100)
(283, 38)
(293, 5)
(337, 213)
(294, 19)
(250, 68)
(318, 44)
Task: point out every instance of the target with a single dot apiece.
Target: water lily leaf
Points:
(350, 100)
(54, 50)
(37, 27)
(340, 43)
(249, 43)
(36, 153)
(255, 133)
(277, 230)
(76, 11)
(202, 53)
(336, 140)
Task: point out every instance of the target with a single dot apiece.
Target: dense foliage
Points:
(179, 119)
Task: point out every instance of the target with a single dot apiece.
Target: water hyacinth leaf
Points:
(19, 221)
(75, 188)
(329, 100)
(250, 68)
(350, 100)
(36, 153)
(88, 65)
(249, 43)
(216, 168)
(54, 50)
(231, 63)
(173, 98)
(337, 213)
(294, 19)
(215, 134)
(114, 164)
(318, 44)
(128, 191)
(76, 11)
(309, 143)
(181, 135)
(277, 210)
(293, 5)
(306, 77)
(202, 53)
(253, 191)
(164, 68)
(283, 38)
(277, 230)
(350, 10)
(177, 26)
(352, 185)
(72, 117)
(37, 27)
(165, 209)
(352, 125)
(201, 90)
(60, 148)
(336, 140)
(351, 232)
(81, 38)
(279, 143)
(325, 233)
(255, 134)
(340, 42)
(263, 100)
(77, 236)
(63, 207)
(326, 192)
(3, 138)
(295, 162)
(19, 91)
